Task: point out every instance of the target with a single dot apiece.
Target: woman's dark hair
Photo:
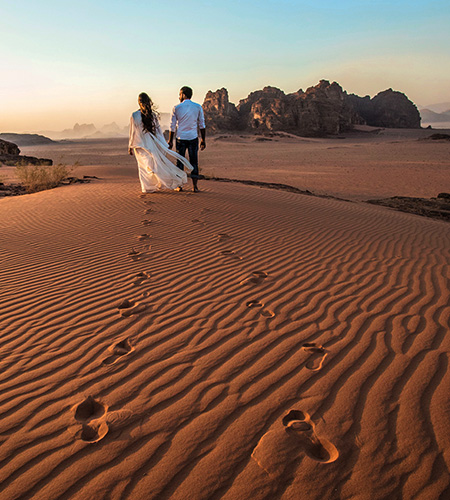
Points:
(148, 113)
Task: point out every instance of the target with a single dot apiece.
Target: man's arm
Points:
(203, 141)
(173, 127)
(202, 126)
(171, 136)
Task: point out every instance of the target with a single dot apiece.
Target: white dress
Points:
(153, 155)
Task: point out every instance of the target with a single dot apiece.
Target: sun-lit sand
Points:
(240, 343)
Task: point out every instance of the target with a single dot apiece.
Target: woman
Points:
(152, 153)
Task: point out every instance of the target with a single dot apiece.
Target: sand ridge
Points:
(239, 343)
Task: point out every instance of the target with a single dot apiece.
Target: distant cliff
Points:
(26, 139)
(322, 110)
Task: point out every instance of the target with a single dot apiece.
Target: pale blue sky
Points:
(86, 61)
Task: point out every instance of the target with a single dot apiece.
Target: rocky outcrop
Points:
(10, 155)
(8, 148)
(220, 113)
(264, 110)
(321, 110)
(325, 109)
(14, 160)
(389, 109)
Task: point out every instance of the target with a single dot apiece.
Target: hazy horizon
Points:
(99, 125)
(87, 62)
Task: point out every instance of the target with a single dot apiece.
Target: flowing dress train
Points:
(153, 156)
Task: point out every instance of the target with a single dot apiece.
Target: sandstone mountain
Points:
(389, 109)
(220, 113)
(322, 110)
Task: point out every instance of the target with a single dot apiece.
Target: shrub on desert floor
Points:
(39, 177)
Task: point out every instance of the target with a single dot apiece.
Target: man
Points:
(187, 117)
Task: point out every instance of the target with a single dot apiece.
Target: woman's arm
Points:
(130, 140)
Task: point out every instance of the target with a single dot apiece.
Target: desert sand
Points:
(239, 343)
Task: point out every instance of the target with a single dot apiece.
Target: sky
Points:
(86, 61)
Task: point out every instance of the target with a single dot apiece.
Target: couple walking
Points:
(153, 154)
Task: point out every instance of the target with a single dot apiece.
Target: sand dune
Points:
(241, 343)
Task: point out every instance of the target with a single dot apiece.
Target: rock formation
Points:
(389, 108)
(220, 114)
(321, 110)
(263, 110)
(10, 155)
(325, 109)
(8, 148)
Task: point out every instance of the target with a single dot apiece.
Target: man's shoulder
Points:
(187, 103)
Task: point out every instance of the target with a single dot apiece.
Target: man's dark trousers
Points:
(192, 148)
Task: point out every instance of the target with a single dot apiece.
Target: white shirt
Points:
(187, 117)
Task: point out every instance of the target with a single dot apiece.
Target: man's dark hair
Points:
(187, 91)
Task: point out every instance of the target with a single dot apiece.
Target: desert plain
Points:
(237, 343)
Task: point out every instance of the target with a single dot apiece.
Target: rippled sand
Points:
(239, 343)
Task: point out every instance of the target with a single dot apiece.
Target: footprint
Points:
(125, 304)
(94, 432)
(134, 255)
(93, 416)
(256, 278)
(146, 222)
(144, 236)
(89, 409)
(267, 313)
(255, 304)
(128, 307)
(303, 430)
(230, 253)
(223, 237)
(291, 438)
(296, 415)
(90, 414)
(119, 350)
(318, 355)
(141, 277)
